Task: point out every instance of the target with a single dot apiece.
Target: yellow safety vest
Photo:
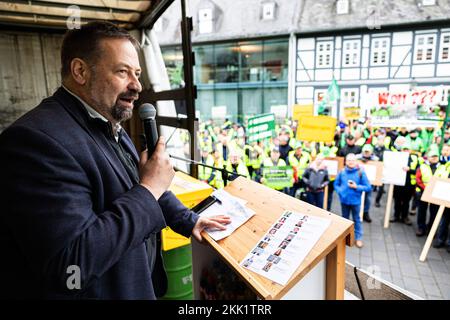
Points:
(217, 181)
(413, 166)
(241, 168)
(425, 169)
(204, 173)
(300, 164)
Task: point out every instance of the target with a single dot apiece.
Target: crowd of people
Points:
(226, 145)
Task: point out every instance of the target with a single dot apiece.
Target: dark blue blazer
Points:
(66, 199)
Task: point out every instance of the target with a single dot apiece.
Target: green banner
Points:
(278, 177)
(261, 127)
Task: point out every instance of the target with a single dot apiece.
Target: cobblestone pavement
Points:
(393, 254)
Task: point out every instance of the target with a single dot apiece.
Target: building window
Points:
(351, 53)
(445, 95)
(445, 47)
(226, 62)
(424, 48)
(380, 51)
(205, 20)
(349, 97)
(275, 60)
(324, 55)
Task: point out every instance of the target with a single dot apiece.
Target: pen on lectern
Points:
(217, 199)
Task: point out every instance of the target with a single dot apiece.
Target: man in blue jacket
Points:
(350, 183)
(81, 210)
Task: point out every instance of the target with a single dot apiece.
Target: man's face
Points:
(351, 142)
(434, 159)
(446, 150)
(234, 159)
(275, 155)
(351, 162)
(114, 83)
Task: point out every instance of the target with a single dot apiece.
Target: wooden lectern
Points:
(319, 276)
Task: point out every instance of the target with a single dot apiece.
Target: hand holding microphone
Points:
(155, 169)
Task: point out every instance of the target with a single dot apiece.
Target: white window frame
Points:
(443, 46)
(316, 95)
(445, 94)
(354, 54)
(346, 97)
(378, 52)
(323, 55)
(424, 47)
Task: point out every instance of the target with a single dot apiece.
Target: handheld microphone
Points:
(147, 113)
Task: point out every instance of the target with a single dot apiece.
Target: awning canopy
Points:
(58, 14)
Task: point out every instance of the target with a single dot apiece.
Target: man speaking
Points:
(76, 196)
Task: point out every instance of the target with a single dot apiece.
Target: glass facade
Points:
(248, 77)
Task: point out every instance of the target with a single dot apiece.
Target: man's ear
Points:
(79, 70)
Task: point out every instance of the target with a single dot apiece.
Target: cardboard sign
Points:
(334, 165)
(316, 128)
(418, 108)
(393, 164)
(261, 127)
(437, 192)
(352, 113)
(278, 177)
(373, 170)
(301, 110)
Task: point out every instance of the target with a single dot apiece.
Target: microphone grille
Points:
(147, 111)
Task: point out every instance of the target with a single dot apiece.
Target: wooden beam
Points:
(45, 21)
(335, 272)
(113, 4)
(62, 12)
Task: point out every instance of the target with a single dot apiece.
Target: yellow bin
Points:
(190, 192)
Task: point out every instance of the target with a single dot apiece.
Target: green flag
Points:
(333, 93)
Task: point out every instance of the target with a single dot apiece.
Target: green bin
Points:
(178, 264)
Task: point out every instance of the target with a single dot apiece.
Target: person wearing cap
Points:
(327, 149)
(364, 156)
(284, 146)
(236, 165)
(350, 183)
(350, 147)
(415, 142)
(428, 169)
(273, 161)
(404, 194)
(299, 160)
(427, 135)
